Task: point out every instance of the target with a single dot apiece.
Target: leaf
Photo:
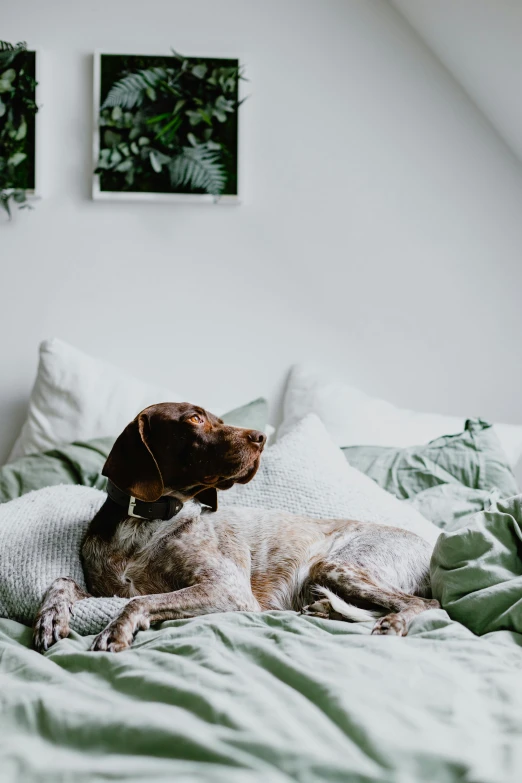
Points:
(111, 139)
(9, 47)
(22, 130)
(200, 168)
(104, 160)
(126, 165)
(131, 90)
(170, 128)
(194, 117)
(158, 118)
(9, 51)
(199, 71)
(20, 196)
(154, 162)
(6, 80)
(4, 203)
(117, 113)
(2, 108)
(8, 76)
(17, 158)
(223, 104)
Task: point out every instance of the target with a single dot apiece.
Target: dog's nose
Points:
(257, 437)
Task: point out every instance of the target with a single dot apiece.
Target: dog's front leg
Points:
(52, 621)
(198, 599)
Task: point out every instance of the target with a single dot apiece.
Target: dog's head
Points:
(179, 449)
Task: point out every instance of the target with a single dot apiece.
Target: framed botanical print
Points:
(18, 110)
(166, 128)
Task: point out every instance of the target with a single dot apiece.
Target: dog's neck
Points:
(190, 512)
(111, 516)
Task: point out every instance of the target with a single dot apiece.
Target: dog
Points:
(160, 540)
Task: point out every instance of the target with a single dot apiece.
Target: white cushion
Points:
(354, 418)
(306, 473)
(77, 397)
(41, 535)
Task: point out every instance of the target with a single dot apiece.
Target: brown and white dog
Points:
(200, 560)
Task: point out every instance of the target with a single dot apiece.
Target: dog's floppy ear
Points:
(209, 497)
(131, 465)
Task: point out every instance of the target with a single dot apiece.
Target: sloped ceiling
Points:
(480, 43)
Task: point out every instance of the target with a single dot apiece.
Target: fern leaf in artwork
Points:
(5, 46)
(199, 167)
(130, 91)
(8, 52)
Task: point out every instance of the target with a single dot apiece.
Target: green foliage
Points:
(199, 167)
(168, 127)
(17, 112)
(8, 52)
(132, 89)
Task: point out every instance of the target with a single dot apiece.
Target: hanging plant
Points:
(17, 124)
(168, 124)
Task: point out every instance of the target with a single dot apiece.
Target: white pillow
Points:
(353, 418)
(306, 473)
(41, 535)
(77, 397)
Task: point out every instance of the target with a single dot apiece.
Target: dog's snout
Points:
(255, 436)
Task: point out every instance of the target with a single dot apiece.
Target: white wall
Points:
(380, 232)
(479, 41)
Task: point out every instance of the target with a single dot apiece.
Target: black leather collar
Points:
(164, 508)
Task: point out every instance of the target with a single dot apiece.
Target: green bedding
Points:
(276, 697)
(476, 570)
(447, 479)
(244, 698)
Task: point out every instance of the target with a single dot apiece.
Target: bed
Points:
(281, 697)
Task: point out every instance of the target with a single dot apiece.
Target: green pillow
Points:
(82, 462)
(445, 480)
(473, 458)
(253, 416)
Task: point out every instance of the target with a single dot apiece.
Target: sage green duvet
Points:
(239, 698)
(276, 697)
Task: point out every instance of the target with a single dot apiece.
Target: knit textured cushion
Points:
(40, 539)
(306, 473)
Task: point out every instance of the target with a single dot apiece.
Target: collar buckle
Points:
(131, 509)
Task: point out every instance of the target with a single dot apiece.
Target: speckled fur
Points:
(243, 559)
(239, 559)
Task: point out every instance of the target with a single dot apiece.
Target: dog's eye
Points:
(196, 419)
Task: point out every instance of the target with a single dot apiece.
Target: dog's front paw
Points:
(391, 625)
(120, 633)
(51, 625)
(115, 638)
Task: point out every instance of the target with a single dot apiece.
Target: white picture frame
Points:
(173, 198)
(35, 194)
